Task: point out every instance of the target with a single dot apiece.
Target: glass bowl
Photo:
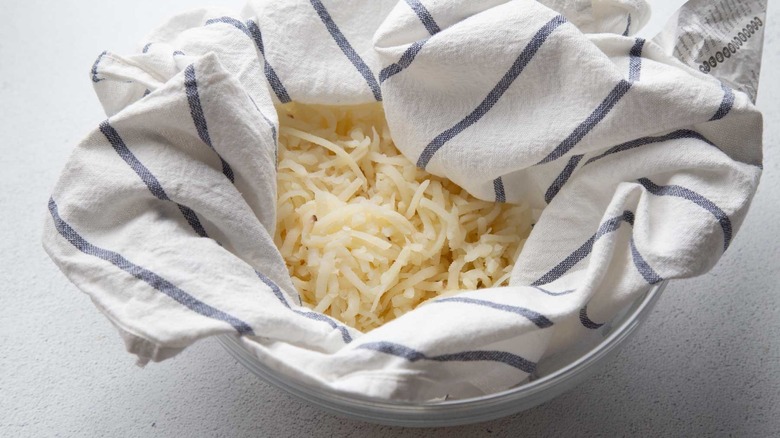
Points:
(554, 375)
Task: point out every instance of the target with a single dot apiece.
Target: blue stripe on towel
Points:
(634, 70)
(253, 32)
(94, 70)
(231, 21)
(583, 251)
(311, 315)
(347, 48)
(628, 26)
(270, 73)
(586, 321)
(405, 61)
(701, 201)
(635, 60)
(199, 119)
(498, 188)
(273, 130)
(590, 122)
(409, 54)
(537, 318)
(146, 176)
(725, 104)
(675, 135)
(147, 276)
(412, 355)
(642, 266)
(554, 294)
(564, 176)
(495, 94)
(425, 17)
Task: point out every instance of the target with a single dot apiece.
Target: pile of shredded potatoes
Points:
(366, 235)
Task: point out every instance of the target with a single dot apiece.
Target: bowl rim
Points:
(459, 411)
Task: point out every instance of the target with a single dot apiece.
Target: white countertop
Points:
(707, 361)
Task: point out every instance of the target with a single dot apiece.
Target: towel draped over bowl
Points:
(643, 165)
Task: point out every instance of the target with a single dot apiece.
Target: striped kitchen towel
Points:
(644, 166)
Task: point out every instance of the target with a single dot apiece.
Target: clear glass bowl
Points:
(554, 376)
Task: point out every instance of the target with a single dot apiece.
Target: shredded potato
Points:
(366, 235)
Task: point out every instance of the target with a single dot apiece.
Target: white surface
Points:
(706, 361)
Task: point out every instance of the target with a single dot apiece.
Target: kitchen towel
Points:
(642, 161)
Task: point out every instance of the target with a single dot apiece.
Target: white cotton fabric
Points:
(132, 207)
